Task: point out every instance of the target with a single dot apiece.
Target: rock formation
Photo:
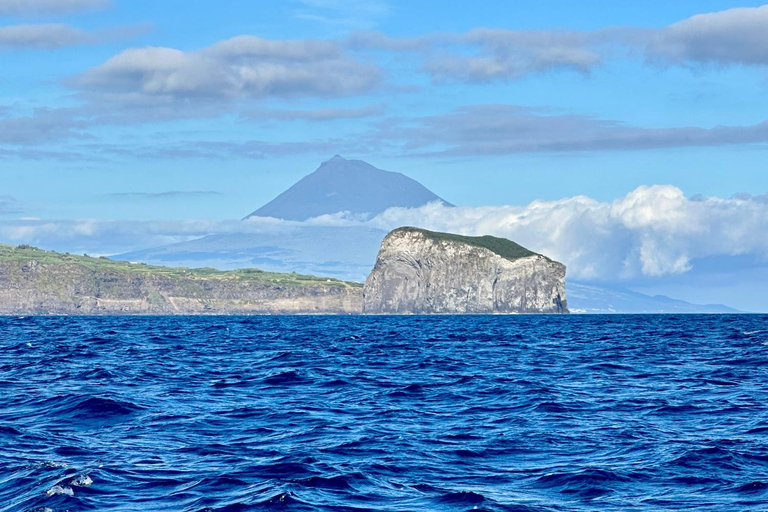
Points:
(423, 272)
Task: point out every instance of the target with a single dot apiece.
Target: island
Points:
(38, 282)
(425, 272)
(416, 272)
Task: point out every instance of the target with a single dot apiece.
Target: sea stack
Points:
(425, 272)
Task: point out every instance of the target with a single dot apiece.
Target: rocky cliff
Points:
(36, 282)
(423, 272)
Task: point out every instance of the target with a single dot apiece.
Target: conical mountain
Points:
(341, 185)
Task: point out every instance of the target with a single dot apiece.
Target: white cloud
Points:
(653, 231)
(733, 36)
(650, 232)
(241, 67)
(49, 7)
(511, 54)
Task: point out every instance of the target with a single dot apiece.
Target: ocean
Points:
(496, 413)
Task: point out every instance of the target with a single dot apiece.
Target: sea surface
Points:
(519, 414)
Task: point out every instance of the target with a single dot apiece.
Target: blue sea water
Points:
(519, 414)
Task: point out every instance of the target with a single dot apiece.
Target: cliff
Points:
(37, 282)
(423, 272)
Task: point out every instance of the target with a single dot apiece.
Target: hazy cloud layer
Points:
(41, 126)
(53, 36)
(360, 14)
(509, 129)
(223, 150)
(170, 194)
(477, 130)
(321, 114)
(651, 232)
(9, 206)
(48, 37)
(49, 7)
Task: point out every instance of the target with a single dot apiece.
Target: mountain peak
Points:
(336, 158)
(341, 185)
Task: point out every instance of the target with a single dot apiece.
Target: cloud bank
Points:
(511, 129)
(651, 232)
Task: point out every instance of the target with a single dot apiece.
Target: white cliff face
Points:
(416, 273)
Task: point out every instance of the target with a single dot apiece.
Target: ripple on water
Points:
(519, 414)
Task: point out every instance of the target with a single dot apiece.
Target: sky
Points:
(133, 118)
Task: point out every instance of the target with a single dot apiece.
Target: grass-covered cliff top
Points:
(501, 246)
(25, 253)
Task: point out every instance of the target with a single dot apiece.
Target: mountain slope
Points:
(344, 252)
(590, 298)
(340, 185)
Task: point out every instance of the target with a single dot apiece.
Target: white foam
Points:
(82, 481)
(53, 464)
(58, 489)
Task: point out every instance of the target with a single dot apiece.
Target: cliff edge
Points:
(425, 272)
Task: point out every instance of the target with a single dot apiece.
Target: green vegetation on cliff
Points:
(501, 246)
(26, 253)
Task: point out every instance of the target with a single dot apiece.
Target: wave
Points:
(345, 414)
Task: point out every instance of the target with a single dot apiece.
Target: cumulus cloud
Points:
(509, 129)
(49, 7)
(241, 67)
(653, 231)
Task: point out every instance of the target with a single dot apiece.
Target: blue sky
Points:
(143, 110)
(624, 89)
